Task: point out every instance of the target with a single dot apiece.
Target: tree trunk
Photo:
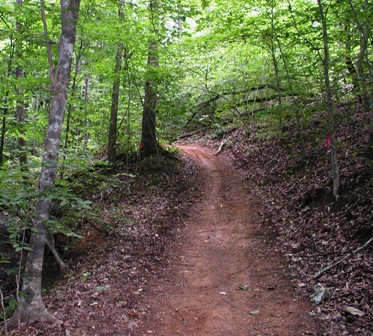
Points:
(112, 139)
(20, 105)
(73, 92)
(113, 125)
(20, 116)
(348, 59)
(365, 71)
(32, 307)
(3, 130)
(275, 64)
(329, 101)
(86, 121)
(149, 143)
(5, 109)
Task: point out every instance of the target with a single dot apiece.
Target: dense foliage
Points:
(222, 60)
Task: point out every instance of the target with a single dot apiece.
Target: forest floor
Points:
(211, 273)
(227, 244)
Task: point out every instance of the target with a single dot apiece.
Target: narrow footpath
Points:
(224, 279)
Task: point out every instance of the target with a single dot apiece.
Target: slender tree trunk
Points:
(275, 63)
(295, 101)
(364, 97)
(69, 109)
(365, 71)
(73, 92)
(112, 138)
(86, 98)
(20, 105)
(5, 108)
(3, 130)
(20, 115)
(348, 59)
(329, 101)
(113, 124)
(31, 307)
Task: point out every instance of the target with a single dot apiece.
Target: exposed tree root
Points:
(26, 314)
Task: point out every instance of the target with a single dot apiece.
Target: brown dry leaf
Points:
(133, 314)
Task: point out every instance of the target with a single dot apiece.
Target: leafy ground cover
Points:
(135, 217)
(136, 221)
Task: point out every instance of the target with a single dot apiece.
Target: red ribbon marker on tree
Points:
(328, 141)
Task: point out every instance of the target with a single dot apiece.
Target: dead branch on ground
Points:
(350, 254)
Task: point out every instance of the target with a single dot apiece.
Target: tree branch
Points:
(350, 254)
(222, 95)
(50, 243)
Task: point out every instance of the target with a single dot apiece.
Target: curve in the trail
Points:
(226, 281)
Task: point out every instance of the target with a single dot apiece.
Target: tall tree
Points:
(329, 101)
(113, 123)
(149, 142)
(5, 99)
(20, 108)
(31, 307)
(364, 66)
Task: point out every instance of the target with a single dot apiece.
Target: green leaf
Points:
(27, 248)
(103, 288)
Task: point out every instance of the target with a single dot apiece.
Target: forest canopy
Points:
(251, 56)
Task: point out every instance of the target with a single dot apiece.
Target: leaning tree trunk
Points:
(329, 100)
(31, 307)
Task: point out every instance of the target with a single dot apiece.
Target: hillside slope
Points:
(302, 218)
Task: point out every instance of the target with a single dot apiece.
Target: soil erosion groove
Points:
(225, 280)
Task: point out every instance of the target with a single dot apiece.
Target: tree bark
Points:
(31, 307)
(274, 59)
(365, 72)
(78, 58)
(329, 101)
(20, 116)
(5, 108)
(112, 136)
(113, 125)
(3, 130)
(149, 137)
(149, 143)
(20, 105)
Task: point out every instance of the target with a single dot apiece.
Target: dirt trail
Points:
(224, 280)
